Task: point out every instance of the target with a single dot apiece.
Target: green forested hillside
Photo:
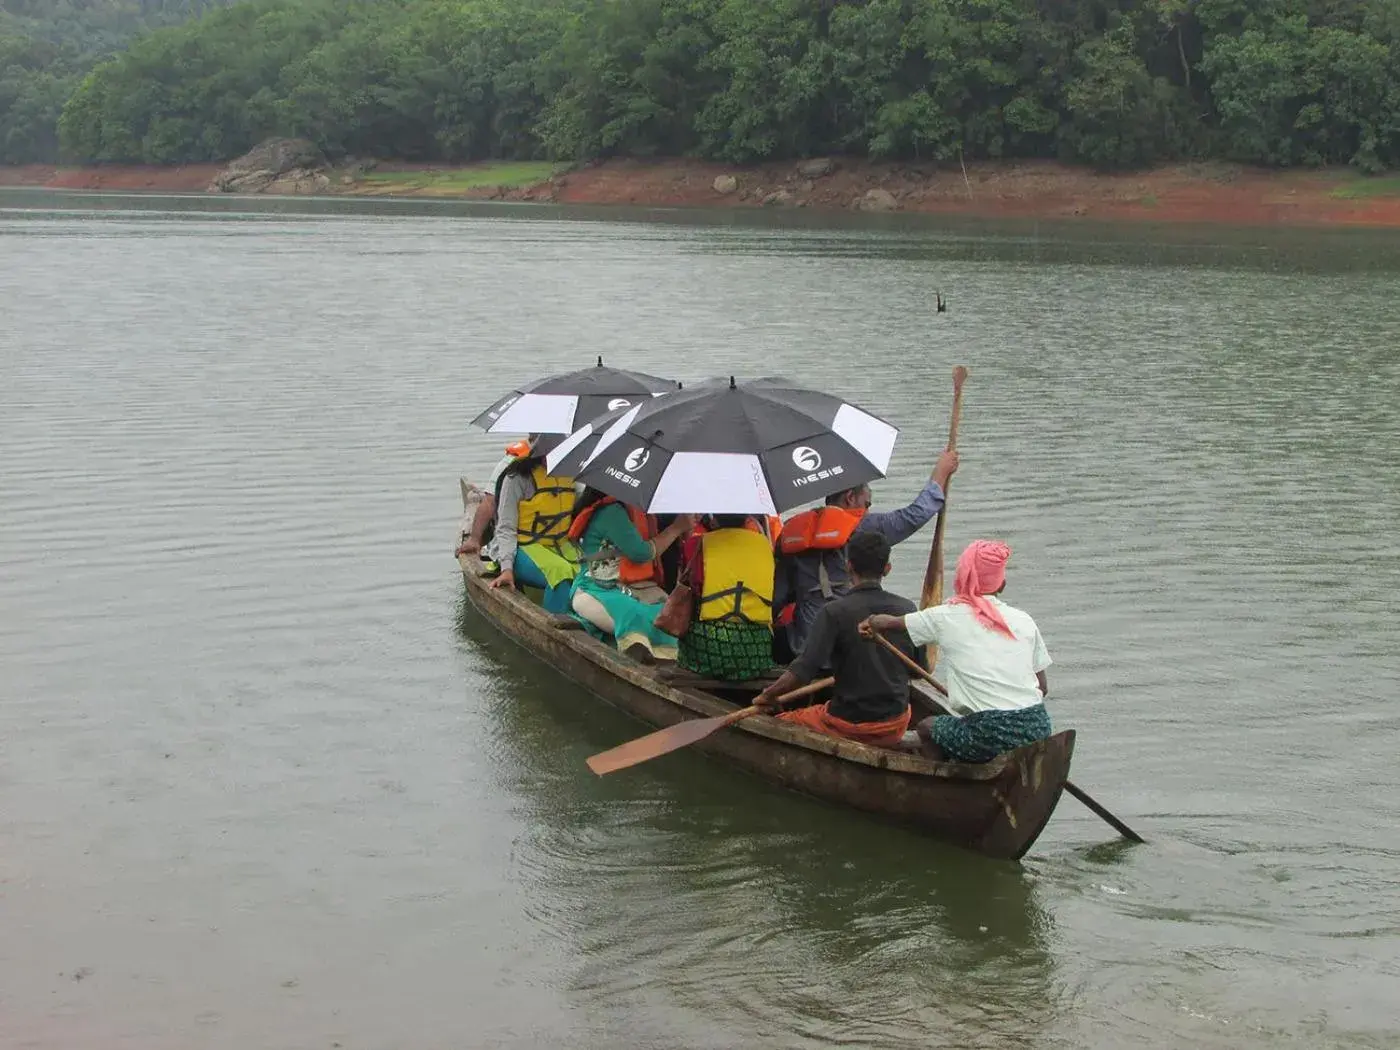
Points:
(1110, 83)
(45, 48)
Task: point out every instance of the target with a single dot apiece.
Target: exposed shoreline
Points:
(1210, 194)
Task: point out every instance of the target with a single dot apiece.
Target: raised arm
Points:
(618, 530)
(898, 525)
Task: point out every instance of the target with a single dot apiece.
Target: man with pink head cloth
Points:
(993, 656)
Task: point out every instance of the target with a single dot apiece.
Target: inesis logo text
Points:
(635, 461)
(618, 402)
(808, 459)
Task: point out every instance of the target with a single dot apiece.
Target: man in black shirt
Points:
(870, 701)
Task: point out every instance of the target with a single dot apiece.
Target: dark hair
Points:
(728, 521)
(869, 553)
(586, 499)
(521, 467)
(837, 497)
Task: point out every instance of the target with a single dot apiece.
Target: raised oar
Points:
(932, 593)
(672, 738)
(1079, 793)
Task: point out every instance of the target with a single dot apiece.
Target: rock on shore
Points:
(290, 166)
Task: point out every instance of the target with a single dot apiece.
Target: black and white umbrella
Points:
(570, 454)
(723, 447)
(563, 403)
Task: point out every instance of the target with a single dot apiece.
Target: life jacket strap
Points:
(737, 592)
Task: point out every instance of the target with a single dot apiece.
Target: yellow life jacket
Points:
(737, 577)
(545, 516)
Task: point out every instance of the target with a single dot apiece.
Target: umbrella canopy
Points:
(563, 403)
(729, 448)
(568, 456)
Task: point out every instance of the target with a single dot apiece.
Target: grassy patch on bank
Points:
(429, 182)
(1375, 186)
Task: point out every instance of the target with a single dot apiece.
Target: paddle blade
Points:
(654, 745)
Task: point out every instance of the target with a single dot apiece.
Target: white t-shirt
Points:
(986, 670)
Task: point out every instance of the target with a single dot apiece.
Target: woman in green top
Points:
(614, 553)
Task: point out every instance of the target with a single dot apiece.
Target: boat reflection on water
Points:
(746, 911)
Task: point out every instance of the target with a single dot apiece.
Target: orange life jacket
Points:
(627, 571)
(823, 529)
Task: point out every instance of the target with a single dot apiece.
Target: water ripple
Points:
(245, 757)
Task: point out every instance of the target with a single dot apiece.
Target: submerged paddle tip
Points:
(959, 375)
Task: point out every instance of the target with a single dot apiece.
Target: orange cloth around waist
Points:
(877, 734)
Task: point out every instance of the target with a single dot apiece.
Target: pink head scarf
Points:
(982, 571)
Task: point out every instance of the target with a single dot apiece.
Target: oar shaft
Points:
(1107, 817)
(932, 593)
(912, 665)
(796, 694)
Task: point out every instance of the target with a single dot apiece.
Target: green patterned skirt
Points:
(982, 735)
(730, 652)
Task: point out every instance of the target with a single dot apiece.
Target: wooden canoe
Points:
(998, 808)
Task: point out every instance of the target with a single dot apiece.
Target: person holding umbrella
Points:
(617, 593)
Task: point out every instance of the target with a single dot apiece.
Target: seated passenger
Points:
(531, 541)
(993, 656)
(483, 520)
(617, 591)
(729, 568)
(870, 701)
(812, 567)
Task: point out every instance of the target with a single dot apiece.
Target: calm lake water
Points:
(264, 783)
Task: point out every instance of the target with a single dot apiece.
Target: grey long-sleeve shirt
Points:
(514, 489)
(799, 575)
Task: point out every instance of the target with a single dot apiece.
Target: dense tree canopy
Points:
(1111, 83)
(45, 48)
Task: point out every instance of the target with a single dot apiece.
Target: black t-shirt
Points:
(872, 684)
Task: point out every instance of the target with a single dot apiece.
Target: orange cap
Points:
(518, 449)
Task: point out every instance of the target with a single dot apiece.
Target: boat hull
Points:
(998, 808)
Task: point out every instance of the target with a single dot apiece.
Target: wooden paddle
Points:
(672, 738)
(932, 593)
(1079, 793)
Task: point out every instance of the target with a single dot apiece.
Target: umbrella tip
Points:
(732, 384)
(600, 360)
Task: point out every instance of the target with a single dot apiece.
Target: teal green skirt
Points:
(634, 621)
(982, 735)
